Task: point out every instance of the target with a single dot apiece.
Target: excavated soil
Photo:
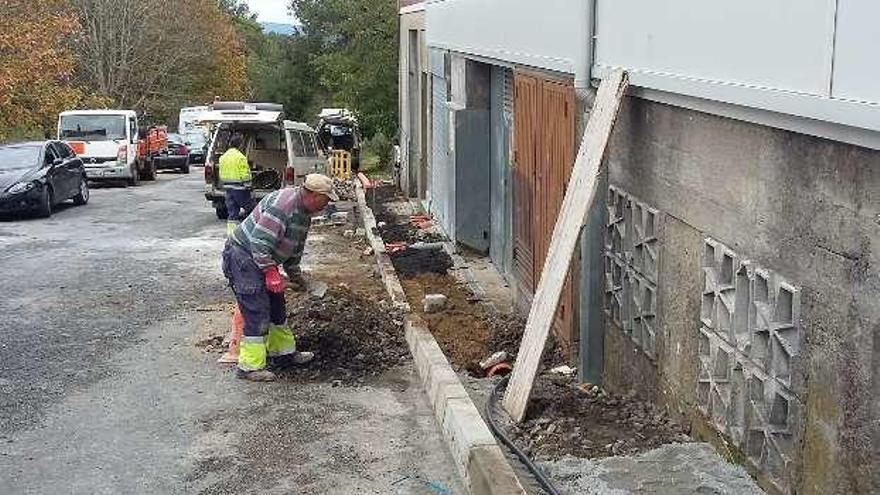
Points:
(465, 329)
(352, 336)
(584, 421)
(413, 262)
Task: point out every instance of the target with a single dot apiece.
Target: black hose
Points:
(545, 483)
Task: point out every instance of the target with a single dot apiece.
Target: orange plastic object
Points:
(231, 354)
(499, 369)
(395, 247)
(78, 147)
(156, 140)
(365, 181)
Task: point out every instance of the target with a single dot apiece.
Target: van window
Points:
(309, 140)
(268, 140)
(296, 144)
(132, 129)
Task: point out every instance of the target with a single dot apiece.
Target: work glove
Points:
(275, 283)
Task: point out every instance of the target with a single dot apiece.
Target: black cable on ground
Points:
(545, 483)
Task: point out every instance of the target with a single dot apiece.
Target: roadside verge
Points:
(479, 459)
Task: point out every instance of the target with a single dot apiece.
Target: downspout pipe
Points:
(586, 33)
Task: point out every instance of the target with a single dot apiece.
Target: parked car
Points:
(197, 142)
(280, 152)
(35, 176)
(177, 155)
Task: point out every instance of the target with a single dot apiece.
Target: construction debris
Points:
(345, 189)
(564, 419)
(339, 218)
(434, 303)
(497, 358)
(564, 370)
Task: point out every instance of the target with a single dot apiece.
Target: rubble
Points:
(497, 358)
(345, 189)
(434, 303)
(339, 218)
(564, 419)
(564, 370)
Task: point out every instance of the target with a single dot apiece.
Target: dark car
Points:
(197, 143)
(177, 156)
(35, 176)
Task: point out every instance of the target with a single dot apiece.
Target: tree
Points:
(36, 66)
(156, 56)
(355, 56)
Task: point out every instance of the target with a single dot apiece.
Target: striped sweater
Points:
(275, 232)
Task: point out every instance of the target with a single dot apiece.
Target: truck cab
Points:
(106, 140)
(279, 152)
(112, 145)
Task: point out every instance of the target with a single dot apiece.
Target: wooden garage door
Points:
(544, 147)
(525, 129)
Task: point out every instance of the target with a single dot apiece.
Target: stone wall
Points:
(742, 290)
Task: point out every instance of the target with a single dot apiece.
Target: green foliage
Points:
(158, 56)
(354, 53)
(380, 146)
(282, 74)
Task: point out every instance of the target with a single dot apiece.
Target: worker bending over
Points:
(270, 238)
(235, 177)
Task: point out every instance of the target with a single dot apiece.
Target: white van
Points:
(306, 158)
(279, 152)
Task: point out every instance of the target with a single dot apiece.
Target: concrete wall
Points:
(792, 212)
(410, 136)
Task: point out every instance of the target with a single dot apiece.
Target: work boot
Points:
(293, 359)
(303, 357)
(255, 376)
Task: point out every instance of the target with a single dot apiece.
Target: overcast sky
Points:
(271, 10)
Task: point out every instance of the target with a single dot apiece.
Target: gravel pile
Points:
(352, 337)
(345, 189)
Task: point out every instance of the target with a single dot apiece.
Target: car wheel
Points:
(44, 210)
(185, 169)
(82, 197)
(220, 210)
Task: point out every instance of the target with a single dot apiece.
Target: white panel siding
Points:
(856, 67)
(537, 34)
(777, 56)
(781, 44)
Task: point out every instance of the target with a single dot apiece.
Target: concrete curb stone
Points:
(478, 458)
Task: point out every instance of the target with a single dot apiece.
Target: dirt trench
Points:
(564, 417)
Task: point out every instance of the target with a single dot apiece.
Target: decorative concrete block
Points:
(631, 262)
(749, 340)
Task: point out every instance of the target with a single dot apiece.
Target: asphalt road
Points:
(102, 389)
